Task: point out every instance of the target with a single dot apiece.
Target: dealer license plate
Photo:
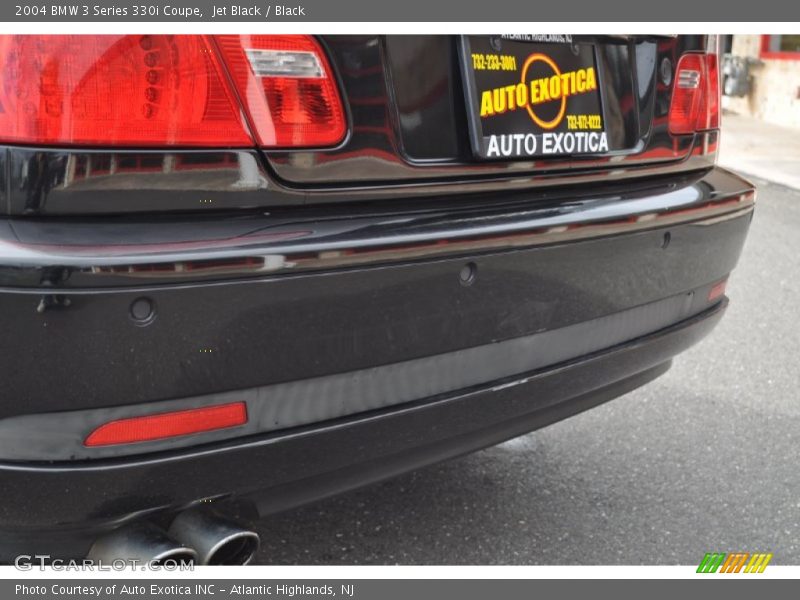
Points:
(530, 95)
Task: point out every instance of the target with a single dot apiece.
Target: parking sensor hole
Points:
(468, 273)
(142, 311)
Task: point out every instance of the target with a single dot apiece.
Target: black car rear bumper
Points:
(363, 350)
(60, 509)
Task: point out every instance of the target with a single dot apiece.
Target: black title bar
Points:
(209, 11)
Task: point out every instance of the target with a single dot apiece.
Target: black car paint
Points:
(276, 472)
(372, 292)
(396, 140)
(371, 238)
(352, 317)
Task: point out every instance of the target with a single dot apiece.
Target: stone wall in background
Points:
(775, 94)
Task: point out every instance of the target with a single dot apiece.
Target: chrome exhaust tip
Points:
(143, 543)
(216, 539)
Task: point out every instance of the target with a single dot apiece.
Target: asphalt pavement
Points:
(703, 459)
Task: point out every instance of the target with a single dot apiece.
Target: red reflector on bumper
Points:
(167, 425)
(717, 290)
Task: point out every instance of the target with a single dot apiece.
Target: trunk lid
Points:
(411, 117)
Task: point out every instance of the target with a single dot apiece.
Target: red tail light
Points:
(287, 87)
(135, 90)
(167, 425)
(167, 90)
(695, 97)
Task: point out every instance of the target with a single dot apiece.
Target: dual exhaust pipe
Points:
(195, 536)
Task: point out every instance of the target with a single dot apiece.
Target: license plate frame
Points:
(538, 120)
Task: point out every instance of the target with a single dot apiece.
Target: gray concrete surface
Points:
(705, 458)
(761, 149)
